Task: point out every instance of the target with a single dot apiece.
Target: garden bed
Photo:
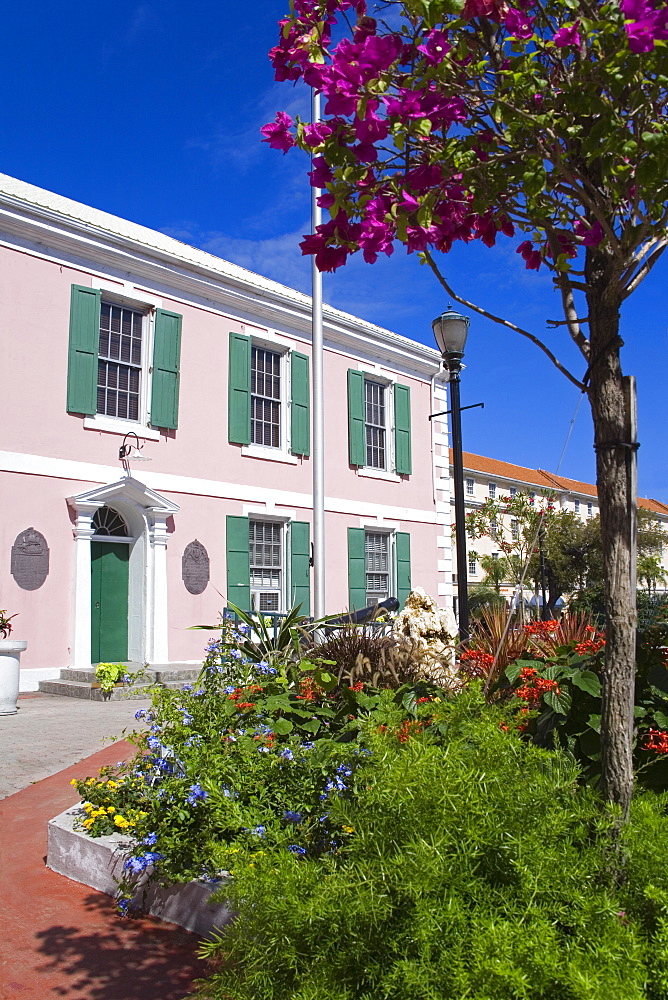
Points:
(98, 862)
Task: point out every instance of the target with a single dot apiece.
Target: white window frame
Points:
(470, 487)
(390, 534)
(590, 509)
(121, 425)
(283, 589)
(282, 453)
(576, 507)
(388, 470)
(472, 565)
(492, 490)
(512, 492)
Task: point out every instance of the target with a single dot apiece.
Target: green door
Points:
(109, 601)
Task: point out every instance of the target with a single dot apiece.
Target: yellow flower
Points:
(90, 781)
(112, 784)
(88, 807)
(347, 829)
(74, 781)
(121, 822)
(111, 809)
(88, 823)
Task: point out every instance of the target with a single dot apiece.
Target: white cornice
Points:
(165, 482)
(49, 225)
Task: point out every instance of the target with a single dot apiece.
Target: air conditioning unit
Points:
(266, 600)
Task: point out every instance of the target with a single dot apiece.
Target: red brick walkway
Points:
(60, 939)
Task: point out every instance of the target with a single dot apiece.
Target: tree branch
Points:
(503, 322)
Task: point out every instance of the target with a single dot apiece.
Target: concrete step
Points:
(79, 683)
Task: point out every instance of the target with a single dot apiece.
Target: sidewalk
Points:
(61, 939)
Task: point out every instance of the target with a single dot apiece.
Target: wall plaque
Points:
(30, 559)
(195, 568)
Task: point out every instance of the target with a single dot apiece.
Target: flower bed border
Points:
(98, 862)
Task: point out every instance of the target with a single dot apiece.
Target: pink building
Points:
(111, 330)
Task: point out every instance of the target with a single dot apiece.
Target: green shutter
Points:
(165, 375)
(402, 430)
(239, 390)
(403, 555)
(300, 417)
(300, 558)
(356, 569)
(238, 562)
(83, 350)
(356, 443)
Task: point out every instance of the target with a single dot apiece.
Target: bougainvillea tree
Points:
(542, 120)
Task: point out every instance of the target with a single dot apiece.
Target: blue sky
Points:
(152, 111)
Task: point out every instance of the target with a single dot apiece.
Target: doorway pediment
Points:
(128, 489)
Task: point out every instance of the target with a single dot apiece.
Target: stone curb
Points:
(98, 862)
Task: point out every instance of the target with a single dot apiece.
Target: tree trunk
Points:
(615, 485)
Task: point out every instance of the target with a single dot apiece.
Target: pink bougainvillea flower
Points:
(331, 258)
(568, 35)
(590, 236)
(315, 134)
(376, 237)
(435, 46)
(320, 175)
(531, 256)
(370, 129)
(419, 238)
(481, 8)
(518, 23)
(278, 134)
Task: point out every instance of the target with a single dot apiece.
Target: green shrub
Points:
(474, 866)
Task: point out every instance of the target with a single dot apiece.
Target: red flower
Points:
(656, 739)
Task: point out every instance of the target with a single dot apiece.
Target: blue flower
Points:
(187, 687)
(141, 714)
(196, 794)
(307, 746)
(150, 839)
(299, 851)
(259, 831)
(344, 770)
(235, 654)
(263, 668)
(292, 817)
(124, 905)
(230, 689)
(263, 749)
(187, 717)
(263, 729)
(287, 754)
(199, 693)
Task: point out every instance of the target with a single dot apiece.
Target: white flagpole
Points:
(318, 446)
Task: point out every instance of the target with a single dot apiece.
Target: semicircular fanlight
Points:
(109, 522)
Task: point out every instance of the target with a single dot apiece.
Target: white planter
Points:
(10, 666)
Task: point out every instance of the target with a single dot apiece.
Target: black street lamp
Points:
(450, 330)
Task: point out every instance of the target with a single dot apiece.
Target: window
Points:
(109, 522)
(492, 491)
(513, 491)
(379, 424)
(590, 510)
(266, 398)
(470, 485)
(119, 366)
(266, 565)
(374, 424)
(532, 495)
(576, 507)
(514, 529)
(377, 564)
(494, 527)
(123, 361)
(473, 565)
